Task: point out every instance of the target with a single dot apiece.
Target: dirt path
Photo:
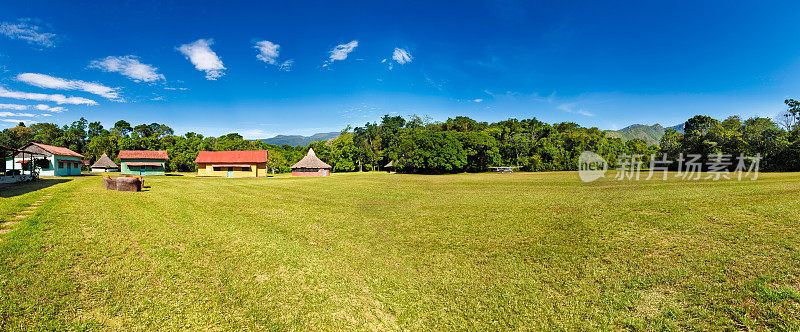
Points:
(24, 213)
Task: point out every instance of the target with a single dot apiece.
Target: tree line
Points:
(414, 145)
(459, 144)
(776, 142)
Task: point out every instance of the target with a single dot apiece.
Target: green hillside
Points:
(650, 134)
(295, 140)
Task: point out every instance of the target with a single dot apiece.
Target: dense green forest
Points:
(459, 144)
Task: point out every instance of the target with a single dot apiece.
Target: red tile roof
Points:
(58, 150)
(253, 156)
(143, 154)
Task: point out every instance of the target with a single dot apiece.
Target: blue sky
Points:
(212, 67)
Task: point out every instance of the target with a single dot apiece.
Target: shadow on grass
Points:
(21, 188)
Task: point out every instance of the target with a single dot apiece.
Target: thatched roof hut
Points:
(310, 165)
(104, 164)
(390, 167)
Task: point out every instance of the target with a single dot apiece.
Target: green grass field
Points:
(403, 252)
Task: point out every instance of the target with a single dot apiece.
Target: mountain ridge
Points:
(295, 140)
(649, 134)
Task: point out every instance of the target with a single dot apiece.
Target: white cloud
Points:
(286, 65)
(43, 107)
(129, 66)
(18, 121)
(570, 108)
(357, 113)
(579, 105)
(15, 107)
(340, 52)
(203, 58)
(254, 134)
(477, 100)
(439, 85)
(56, 98)
(390, 65)
(5, 114)
(31, 34)
(401, 56)
(267, 51)
(50, 82)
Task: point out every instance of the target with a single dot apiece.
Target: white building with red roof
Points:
(232, 164)
(59, 161)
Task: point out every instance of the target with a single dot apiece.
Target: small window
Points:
(60, 164)
(217, 169)
(245, 169)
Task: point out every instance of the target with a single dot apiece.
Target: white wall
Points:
(104, 170)
(73, 169)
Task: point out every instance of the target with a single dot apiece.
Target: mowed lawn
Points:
(404, 252)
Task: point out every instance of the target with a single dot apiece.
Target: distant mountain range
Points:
(650, 134)
(295, 140)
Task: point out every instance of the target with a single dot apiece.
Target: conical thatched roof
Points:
(390, 164)
(104, 161)
(311, 161)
